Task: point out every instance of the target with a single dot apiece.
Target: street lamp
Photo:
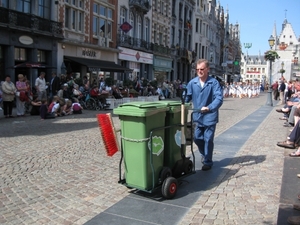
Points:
(247, 46)
(269, 100)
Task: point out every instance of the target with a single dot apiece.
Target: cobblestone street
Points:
(56, 171)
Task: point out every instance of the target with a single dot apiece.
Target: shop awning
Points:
(36, 65)
(99, 65)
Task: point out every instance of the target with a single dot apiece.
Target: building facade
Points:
(254, 68)
(287, 45)
(90, 39)
(122, 39)
(134, 38)
(29, 36)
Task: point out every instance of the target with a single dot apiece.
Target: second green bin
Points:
(173, 134)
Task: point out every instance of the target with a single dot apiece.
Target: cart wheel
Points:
(188, 166)
(169, 187)
(164, 173)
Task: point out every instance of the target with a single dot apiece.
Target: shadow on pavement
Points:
(189, 191)
(33, 125)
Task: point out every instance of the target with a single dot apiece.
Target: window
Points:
(44, 9)
(67, 17)
(147, 33)
(131, 19)
(173, 7)
(197, 25)
(74, 15)
(139, 27)
(80, 20)
(160, 38)
(123, 15)
(95, 8)
(24, 6)
(102, 11)
(166, 40)
(41, 56)
(4, 3)
(173, 35)
(180, 11)
(154, 34)
(73, 19)
(20, 54)
(102, 21)
(200, 27)
(162, 7)
(95, 26)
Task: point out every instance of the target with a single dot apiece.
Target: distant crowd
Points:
(64, 95)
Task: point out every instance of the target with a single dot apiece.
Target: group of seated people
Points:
(57, 107)
(291, 115)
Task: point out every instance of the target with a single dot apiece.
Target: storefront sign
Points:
(26, 40)
(135, 56)
(162, 64)
(89, 53)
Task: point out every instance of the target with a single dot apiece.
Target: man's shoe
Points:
(279, 110)
(293, 220)
(206, 167)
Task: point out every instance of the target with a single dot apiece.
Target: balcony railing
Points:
(125, 40)
(21, 21)
(140, 5)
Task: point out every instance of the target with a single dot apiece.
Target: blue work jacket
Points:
(210, 95)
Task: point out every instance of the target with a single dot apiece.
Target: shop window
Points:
(41, 56)
(20, 54)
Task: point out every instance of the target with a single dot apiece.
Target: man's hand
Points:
(204, 109)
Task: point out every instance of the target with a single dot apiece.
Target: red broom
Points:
(108, 133)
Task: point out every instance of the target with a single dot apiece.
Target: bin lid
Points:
(174, 106)
(140, 109)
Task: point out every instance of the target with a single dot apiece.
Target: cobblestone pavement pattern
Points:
(57, 172)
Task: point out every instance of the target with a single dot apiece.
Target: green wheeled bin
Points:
(174, 150)
(139, 120)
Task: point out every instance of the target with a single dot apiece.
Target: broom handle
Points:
(183, 96)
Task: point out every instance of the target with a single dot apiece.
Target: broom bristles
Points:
(108, 133)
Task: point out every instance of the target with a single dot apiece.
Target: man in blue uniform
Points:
(207, 97)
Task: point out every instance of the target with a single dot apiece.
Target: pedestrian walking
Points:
(206, 95)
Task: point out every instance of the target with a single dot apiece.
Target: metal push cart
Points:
(148, 166)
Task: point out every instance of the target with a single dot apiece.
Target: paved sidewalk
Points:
(56, 171)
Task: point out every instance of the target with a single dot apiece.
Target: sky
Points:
(257, 19)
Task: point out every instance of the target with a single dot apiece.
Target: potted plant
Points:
(271, 55)
(281, 71)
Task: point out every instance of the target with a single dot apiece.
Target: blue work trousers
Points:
(204, 139)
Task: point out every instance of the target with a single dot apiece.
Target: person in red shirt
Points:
(54, 101)
(95, 93)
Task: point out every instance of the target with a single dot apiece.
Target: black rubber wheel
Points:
(164, 173)
(90, 104)
(188, 166)
(169, 187)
